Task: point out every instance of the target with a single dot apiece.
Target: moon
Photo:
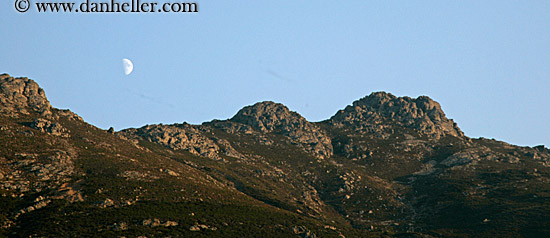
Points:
(128, 66)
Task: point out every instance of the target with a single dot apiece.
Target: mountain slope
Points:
(383, 166)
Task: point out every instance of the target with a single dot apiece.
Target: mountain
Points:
(384, 166)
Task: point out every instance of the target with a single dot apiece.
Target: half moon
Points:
(128, 66)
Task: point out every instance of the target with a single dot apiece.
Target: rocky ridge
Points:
(178, 137)
(380, 112)
(383, 166)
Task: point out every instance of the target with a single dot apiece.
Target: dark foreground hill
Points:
(384, 166)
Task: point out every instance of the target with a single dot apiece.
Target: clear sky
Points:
(486, 62)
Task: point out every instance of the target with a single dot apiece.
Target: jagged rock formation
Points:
(22, 95)
(270, 117)
(178, 137)
(260, 119)
(380, 112)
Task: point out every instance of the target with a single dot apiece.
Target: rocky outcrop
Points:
(106, 203)
(270, 117)
(154, 222)
(240, 129)
(381, 110)
(202, 227)
(138, 176)
(52, 128)
(178, 137)
(303, 231)
(474, 155)
(21, 95)
(68, 114)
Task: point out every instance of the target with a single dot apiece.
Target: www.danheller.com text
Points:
(134, 6)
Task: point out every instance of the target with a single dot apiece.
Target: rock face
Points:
(22, 95)
(270, 117)
(375, 112)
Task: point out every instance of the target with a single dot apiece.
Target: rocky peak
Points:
(21, 95)
(271, 117)
(422, 114)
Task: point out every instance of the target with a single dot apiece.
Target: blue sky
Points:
(486, 62)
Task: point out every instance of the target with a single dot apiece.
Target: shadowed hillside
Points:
(384, 166)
